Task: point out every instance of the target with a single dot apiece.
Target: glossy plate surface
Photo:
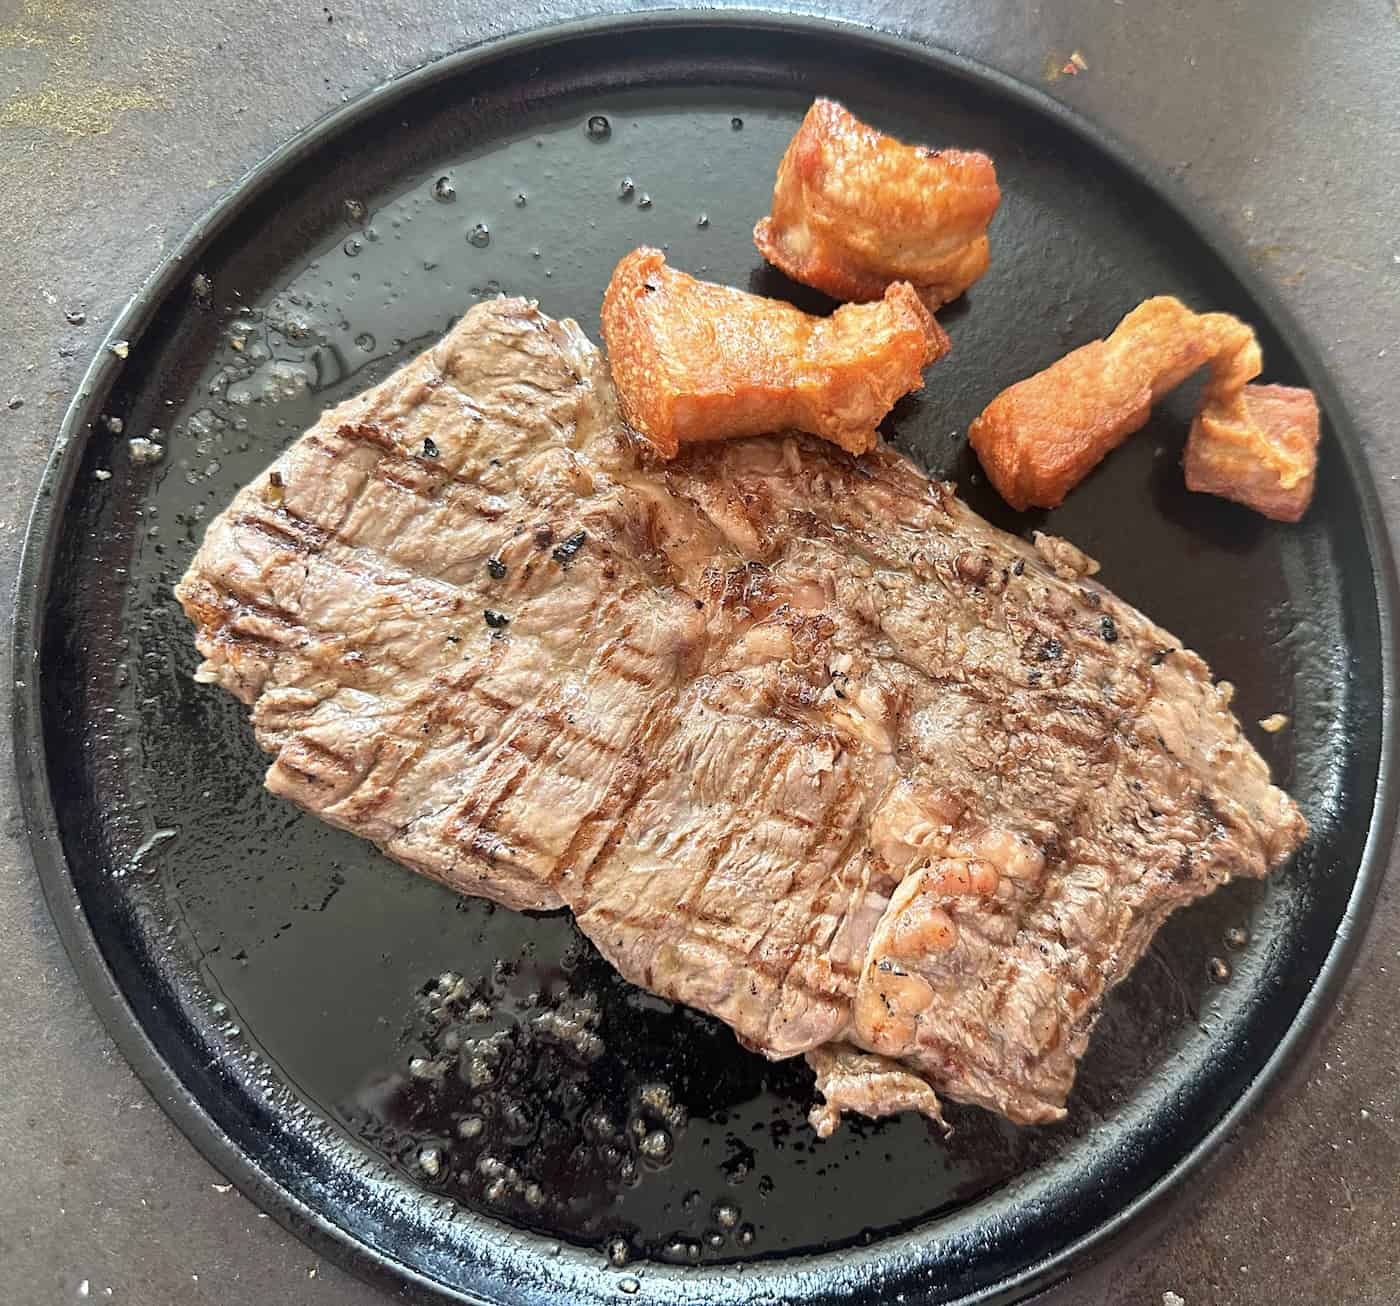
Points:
(273, 980)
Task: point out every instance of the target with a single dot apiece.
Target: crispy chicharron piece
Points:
(1038, 439)
(1260, 451)
(695, 361)
(854, 210)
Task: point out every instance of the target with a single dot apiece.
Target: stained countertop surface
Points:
(119, 127)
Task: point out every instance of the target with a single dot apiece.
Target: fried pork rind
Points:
(1260, 451)
(1038, 439)
(695, 361)
(854, 210)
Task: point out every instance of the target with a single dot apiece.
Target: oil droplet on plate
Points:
(444, 190)
(1219, 970)
(737, 124)
(353, 246)
(599, 128)
(480, 235)
(625, 188)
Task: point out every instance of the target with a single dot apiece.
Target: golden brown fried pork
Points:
(695, 361)
(854, 210)
(1039, 438)
(1260, 451)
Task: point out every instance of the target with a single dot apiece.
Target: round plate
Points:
(272, 979)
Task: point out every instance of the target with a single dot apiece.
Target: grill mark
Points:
(632, 677)
(566, 729)
(392, 452)
(315, 640)
(608, 661)
(368, 576)
(371, 806)
(509, 751)
(556, 726)
(497, 704)
(387, 475)
(612, 810)
(317, 749)
(382, 471)
(611, 916)
(462, 824)
(817, 938)
(486, 822)
(370, 433)
(806, 942)
(687, 906)
(277, 533)
(246, 604)
(448, 700)
(647, 739)
(226, 635)
(1001, 998)
(321, 536)
(313, 778)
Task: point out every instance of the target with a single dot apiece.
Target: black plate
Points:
(267, 975)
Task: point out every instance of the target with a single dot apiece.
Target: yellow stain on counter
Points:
(70, 100)
(21, 38)
(47, 22)
(75, 109)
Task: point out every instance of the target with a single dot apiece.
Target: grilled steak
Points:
(798, 738)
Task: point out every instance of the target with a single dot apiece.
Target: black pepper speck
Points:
(566, 552)
(496, 620)
(496, 568)
(430, 450)
(1108, 630)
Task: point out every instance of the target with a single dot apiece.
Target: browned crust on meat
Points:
(694, 361)
(1040, 437)
(1259, 450)
(855, 210)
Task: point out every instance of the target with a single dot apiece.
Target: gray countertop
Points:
(120, 123)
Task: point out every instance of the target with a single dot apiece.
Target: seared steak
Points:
(798, 738)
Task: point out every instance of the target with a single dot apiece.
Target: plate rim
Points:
(40, 545)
